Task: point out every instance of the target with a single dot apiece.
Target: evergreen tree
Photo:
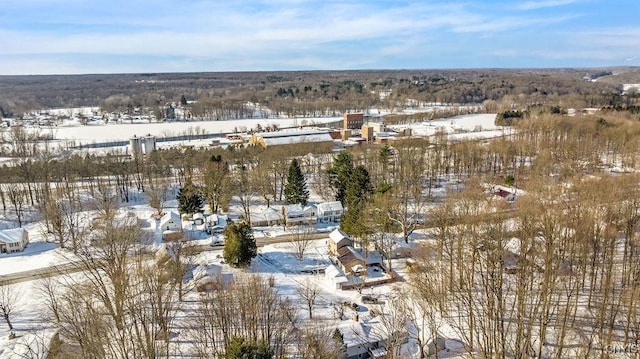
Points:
(239, 348)
(339, 174)
(183, 100)
(239, 246)
(357, 193)
(359, 187)
(295, 190)
(190, 199)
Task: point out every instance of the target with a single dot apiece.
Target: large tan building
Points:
(352, 121)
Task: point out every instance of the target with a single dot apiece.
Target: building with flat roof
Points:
(280, 138)
(352, 121)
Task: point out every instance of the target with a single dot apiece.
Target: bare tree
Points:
(17, 196)
(318, 342)
(8, 303)
(300, 241)
(248, 308)
(309, 292)
(62, 213)
(158, 193)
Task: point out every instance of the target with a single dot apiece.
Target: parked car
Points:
(367, 299)
(217, 242)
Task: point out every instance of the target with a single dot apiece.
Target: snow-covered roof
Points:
(378, 352)
(198, 215)
(269, 214)
(13, 235)
(513, 245)
(277, 134)
(337, 235)
(332, 271)
(366, 330)
(212, 218)
(206, 270)
(293, 210)
(329, 206)
(170, 216)
(291, 137)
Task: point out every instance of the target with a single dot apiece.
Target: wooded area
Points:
(553, 273)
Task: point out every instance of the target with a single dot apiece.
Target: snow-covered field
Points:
(123, 131)
(475, 126)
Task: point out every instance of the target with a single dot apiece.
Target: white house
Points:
(369, 337)
(171, 221)
(363, 338)
(13, 240)
(295, 214)
(268, 217)
(329, 211)
(215, 224)
(171, 227)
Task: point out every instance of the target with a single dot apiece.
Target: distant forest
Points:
(318, 93)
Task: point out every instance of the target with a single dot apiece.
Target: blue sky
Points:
(97, 36)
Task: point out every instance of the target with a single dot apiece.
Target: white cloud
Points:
(535, 5)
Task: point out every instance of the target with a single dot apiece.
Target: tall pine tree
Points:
(295, 191)
(239, 244)
(190, 199)
(357, 193)
(339, 174)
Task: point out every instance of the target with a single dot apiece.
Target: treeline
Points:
(308, 94)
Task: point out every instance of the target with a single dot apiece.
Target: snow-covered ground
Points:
(123, 131)
(476, 126)
(275, 259)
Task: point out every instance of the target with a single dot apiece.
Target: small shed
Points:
(198, 219)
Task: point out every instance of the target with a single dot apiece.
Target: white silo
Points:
(135, 146)
(149, 143)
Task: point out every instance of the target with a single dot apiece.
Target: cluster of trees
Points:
(553, 274)
(311, 94)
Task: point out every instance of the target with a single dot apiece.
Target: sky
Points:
(143, 36)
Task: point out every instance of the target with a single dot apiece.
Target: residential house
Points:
(198, 219)
(171, 226)
(215, 224)
(268, 217)
(295, 214)
(350, 261)
(337, 240)
(171, 221)
(329, 212)
(13, 240)
(367, 337)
